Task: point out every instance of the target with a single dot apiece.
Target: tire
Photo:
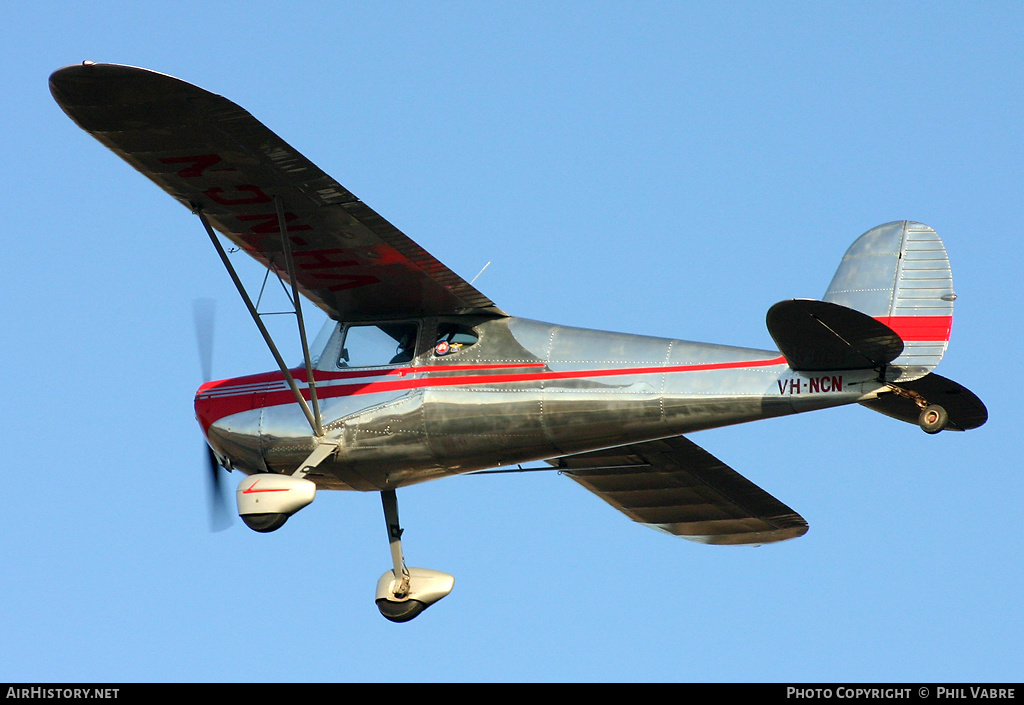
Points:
(933, 418)
(264, 523)
(400, 611)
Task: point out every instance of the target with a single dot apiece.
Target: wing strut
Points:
(311, 417)
(297, 302)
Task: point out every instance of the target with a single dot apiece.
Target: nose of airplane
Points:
(205, 413)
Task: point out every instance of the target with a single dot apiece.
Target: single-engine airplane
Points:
(418, 376)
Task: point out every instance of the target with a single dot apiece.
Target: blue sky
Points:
(661, 168)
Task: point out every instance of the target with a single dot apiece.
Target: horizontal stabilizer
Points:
(676, 486)
(966, 411)
(817, 335)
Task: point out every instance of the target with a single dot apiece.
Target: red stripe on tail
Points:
(919, 328)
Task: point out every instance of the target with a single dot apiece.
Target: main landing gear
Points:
(403, 593)
(266, 500)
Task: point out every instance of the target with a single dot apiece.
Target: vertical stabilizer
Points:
(899, 274)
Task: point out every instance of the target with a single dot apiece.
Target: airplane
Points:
(417, 375)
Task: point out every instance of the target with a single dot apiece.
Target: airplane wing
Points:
(210, 154)
(676, 486)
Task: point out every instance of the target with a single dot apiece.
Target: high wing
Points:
(213, 156)
(676, 486)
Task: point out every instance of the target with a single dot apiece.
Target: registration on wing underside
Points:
(211, 154)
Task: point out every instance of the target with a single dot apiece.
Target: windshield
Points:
(318, 348)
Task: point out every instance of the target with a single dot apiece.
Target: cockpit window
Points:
(379, 344)
(451, 338)
(318, 348)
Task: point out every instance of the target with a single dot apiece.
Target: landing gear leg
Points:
(403, 593)
(400, 589)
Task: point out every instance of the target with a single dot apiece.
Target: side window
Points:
(376, 345)
(451, 338)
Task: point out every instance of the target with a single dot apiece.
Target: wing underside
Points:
(676, 486)
(210, 154)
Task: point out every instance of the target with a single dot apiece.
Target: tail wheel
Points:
(933, 418)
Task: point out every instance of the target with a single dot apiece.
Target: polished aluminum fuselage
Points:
(524, 391)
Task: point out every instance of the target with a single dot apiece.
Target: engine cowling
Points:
(265, 500)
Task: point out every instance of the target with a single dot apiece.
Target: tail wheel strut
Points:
(933, 418)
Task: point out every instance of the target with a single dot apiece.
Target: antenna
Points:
(480, 272)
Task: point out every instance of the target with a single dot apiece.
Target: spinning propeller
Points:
(203, 315)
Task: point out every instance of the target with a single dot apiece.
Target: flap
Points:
(676, 486)
(209, 153)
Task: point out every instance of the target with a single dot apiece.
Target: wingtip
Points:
(94, 94)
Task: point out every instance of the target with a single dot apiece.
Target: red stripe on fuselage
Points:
(328, 387)
(231, 396)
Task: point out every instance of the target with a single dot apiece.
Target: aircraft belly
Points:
(579, 420)
(477, 428)
(579, 390)
(613, 388)
(394, 438)
(528, 391)
(600, 389)
(582, 389)
(487, 426)
(386, 441)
